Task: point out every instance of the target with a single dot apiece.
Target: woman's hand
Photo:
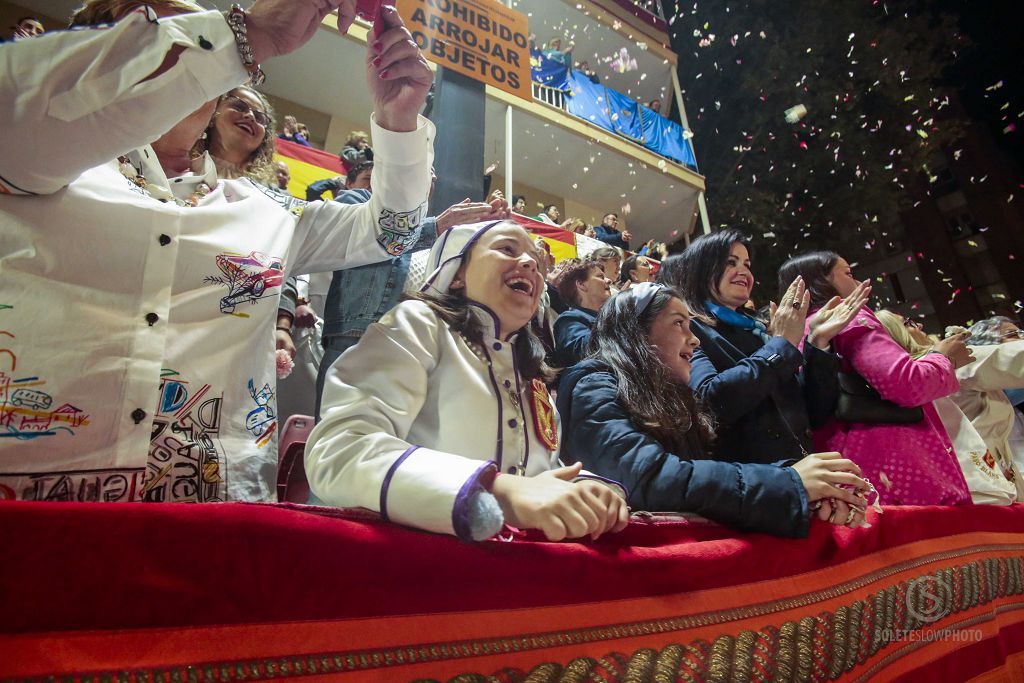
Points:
(823, 473)
(283, 340)
(842, 514)
(467, 212)
(304, 316)
(956, 350)
(278, 27)
(396, 72)
(788, 317)
(833, 317)
(559, 507)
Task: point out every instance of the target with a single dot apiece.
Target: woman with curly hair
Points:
(240, 137)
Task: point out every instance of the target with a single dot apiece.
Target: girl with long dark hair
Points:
(768, 384)
(912, 462)
(629, 415)
(439, 417)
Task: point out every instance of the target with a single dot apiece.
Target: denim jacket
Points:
(360, 296)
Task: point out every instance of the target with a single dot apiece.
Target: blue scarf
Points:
(744, 322)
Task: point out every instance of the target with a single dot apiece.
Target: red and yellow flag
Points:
(307, 165)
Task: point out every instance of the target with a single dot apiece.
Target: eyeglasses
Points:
(243, 108)
(1016, 334)
(908, 322)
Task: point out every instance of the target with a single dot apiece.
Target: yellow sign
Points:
(481, 39)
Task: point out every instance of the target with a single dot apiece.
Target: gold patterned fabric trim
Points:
(813, 648)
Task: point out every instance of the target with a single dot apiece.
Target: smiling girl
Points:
(629, 415)
(439, 417)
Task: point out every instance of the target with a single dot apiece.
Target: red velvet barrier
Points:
(72, 571)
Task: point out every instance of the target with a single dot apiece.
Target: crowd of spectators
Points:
(496, 387)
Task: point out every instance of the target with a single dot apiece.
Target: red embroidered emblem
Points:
(543, 415)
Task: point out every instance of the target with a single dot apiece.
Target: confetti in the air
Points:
(795, 114)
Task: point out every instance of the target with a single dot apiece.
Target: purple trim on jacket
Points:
(481, 480)
(522, 409)
(500, 445)
(387, 480)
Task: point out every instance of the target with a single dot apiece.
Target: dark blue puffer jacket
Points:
(597, 430)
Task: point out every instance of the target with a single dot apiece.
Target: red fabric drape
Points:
(213, 577)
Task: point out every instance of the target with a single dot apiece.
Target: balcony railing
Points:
(648, 11)
(553, 97)
(650, 6)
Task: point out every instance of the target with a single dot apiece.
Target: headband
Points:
(643, 294)
(449, 253)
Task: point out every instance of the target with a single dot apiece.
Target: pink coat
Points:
(912, 464)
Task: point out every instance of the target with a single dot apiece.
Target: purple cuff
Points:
(387, 481)
(481, 480)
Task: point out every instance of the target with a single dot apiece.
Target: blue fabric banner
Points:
(549, 72)
(614, 111)
(666, 138)
(587, 100)
(624, 112)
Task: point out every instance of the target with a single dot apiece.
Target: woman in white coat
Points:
(439, 417)
(974, 416)
(139, 291)
(999, 367)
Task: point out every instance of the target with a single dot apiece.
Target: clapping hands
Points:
(789, 316)
(833, 317)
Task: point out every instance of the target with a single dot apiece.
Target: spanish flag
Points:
(307, 165)
(562, 242)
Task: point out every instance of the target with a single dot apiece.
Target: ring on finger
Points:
(815, 506)
(832, 517)
(850, 516)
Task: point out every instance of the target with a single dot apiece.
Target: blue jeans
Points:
(333, 348)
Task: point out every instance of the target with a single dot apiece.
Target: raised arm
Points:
(889, 368)
(997, 367)
(390, 223)
(734, 392)
(84, 97)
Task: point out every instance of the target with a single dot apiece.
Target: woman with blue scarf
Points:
(767, 385)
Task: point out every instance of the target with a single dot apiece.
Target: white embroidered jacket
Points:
(997, 367)
(136, 337)
(415, 420)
